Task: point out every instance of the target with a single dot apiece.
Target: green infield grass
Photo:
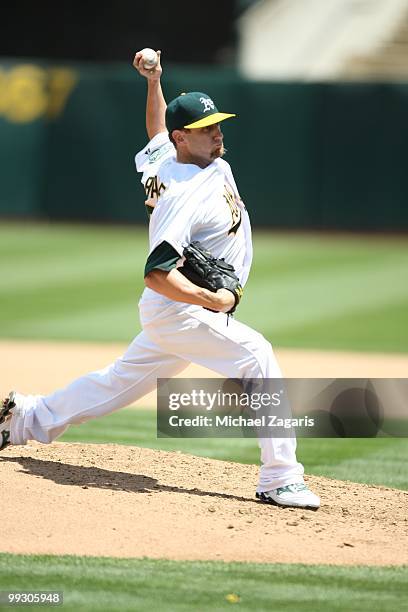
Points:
(380, 461)
(145, 584)
(77, 282)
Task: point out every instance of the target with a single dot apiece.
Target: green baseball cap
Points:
(193, 110)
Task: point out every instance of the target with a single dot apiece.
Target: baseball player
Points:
(191, 195)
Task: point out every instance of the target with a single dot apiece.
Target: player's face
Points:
(202, 145)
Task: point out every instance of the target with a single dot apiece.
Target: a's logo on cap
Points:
(208, 104)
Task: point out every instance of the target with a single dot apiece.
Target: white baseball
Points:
(150, 58)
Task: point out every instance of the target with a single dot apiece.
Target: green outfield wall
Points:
(304, 154)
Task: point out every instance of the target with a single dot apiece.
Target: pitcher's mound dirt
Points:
(123, 501)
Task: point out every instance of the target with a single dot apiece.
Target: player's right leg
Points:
(130, 377)
(237, 351)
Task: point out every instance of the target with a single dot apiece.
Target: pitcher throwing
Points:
(191, 196)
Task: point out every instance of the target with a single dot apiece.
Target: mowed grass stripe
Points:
(84, 284)
(341, 293)
(91, 583)
(58, 271)
(276, 255)
(301, 286)
(81, 296)
(26, 237)
(111, 323)
(306, 298)
(53, 266)
(363, 330)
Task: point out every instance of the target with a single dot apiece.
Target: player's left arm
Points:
(177, 287)
(161, 275)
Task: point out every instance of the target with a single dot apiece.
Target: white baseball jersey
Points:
(192, 203)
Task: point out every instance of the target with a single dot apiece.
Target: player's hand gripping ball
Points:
(149, 58)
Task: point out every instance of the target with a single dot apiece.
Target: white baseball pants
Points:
(172, 337)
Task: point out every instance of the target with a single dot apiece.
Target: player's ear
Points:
(178, 136)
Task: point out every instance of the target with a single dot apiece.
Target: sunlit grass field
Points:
(305, 290)
(143, 585)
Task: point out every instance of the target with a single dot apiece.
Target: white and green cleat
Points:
(5, 419)
(292, 496)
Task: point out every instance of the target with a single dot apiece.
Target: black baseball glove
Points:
(205, 270)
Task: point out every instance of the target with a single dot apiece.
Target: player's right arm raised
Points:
(155, 102)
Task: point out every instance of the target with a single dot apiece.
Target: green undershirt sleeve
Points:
(163, 257)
